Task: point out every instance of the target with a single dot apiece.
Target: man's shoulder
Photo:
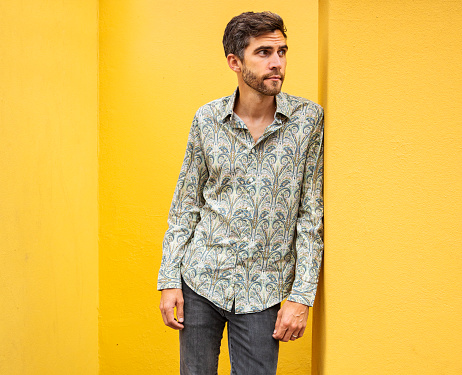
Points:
(223, 101)
(300, 103)
(217, 108)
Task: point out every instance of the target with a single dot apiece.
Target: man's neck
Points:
(252, 105)
(255, 109)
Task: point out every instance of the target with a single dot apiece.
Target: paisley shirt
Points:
(246, 221)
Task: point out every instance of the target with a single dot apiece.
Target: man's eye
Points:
(263, 53)
(282, 52)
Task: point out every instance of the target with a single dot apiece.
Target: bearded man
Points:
(246, 221)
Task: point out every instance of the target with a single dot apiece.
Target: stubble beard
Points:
(258, 84)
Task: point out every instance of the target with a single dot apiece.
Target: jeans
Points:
(252, 349)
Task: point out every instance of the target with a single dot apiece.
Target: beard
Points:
(258, 83)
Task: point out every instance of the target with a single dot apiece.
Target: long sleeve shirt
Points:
(246, 220)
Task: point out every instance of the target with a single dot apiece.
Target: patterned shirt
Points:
(246, 221)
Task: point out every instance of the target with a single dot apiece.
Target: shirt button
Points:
(250, 180)
(249, 209)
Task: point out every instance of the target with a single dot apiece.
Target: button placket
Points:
(250, 181)
(251, 171)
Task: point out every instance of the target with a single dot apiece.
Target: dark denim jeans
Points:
(252, 349)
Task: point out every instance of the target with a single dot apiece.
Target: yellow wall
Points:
(391, 84)
(389, 299)
(48, 188)
(160, 61)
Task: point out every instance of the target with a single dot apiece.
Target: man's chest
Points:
(234, 158)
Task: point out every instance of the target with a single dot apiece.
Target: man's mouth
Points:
(274, 78)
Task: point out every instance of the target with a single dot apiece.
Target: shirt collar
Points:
(282, 106)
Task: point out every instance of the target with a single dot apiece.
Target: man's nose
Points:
(276, 61)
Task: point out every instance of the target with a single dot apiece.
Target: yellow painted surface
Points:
(389, 301)
(160, 61)
(391, 84)
(48, 188)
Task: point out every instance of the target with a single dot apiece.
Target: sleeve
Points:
(184, 211)
(309, 243)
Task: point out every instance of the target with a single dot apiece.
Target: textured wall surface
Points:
(160, 61)
(391, 79)
(48, 188)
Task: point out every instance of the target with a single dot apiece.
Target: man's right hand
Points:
(170, 299)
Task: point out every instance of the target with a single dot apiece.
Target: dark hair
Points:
(246, 25)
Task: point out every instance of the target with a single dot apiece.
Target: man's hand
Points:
(291, 321)
(170, 299)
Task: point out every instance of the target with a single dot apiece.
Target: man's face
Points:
(264, 63)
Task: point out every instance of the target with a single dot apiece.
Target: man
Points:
(245, 225)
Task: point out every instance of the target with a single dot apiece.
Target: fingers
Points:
(285, 334)
(291, 335)
(291, 322)
(284, 328)
(180, 311)
(288, 336)
(170, 299)
(295, 335)
(169, 318)
(278, 332)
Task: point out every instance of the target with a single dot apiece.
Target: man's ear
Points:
(234, 63)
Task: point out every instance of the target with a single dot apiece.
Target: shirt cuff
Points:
(306, 297)
(168, 284)
(169, 277)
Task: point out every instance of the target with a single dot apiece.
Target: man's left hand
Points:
(291, 321)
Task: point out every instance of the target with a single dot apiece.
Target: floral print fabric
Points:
(246, 221)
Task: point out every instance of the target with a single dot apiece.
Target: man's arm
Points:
(182, 220)
(292, 317)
